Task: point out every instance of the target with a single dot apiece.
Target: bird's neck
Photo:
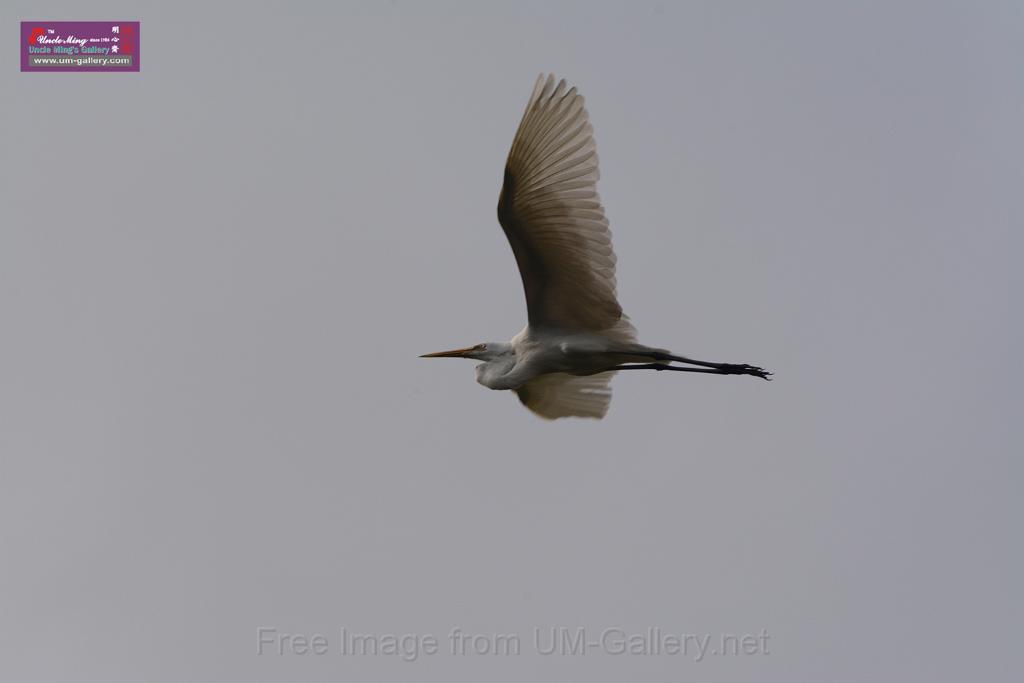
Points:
(494, 373)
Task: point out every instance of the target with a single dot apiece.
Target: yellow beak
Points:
(455, 353)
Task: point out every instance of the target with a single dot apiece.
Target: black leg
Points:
(715, 369)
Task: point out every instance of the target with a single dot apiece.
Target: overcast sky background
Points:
(216, 276)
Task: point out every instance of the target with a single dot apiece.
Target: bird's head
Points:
(486, 351)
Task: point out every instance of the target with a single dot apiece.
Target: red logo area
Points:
(34, 36)
(125, 46)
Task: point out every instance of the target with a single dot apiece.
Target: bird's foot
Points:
(744, 369)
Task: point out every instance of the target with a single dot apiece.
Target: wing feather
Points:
(553, 218)
(558, 395)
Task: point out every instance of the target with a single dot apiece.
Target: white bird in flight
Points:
(577, 337)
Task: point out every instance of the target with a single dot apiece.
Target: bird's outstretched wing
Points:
(552, 216)
(558, 395)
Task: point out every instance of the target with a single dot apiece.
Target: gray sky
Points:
(216, 275)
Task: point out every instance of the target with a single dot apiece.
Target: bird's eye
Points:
(481, 347)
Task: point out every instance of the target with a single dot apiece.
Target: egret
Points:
(577, 336)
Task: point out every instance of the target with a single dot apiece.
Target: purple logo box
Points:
(79, 46)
